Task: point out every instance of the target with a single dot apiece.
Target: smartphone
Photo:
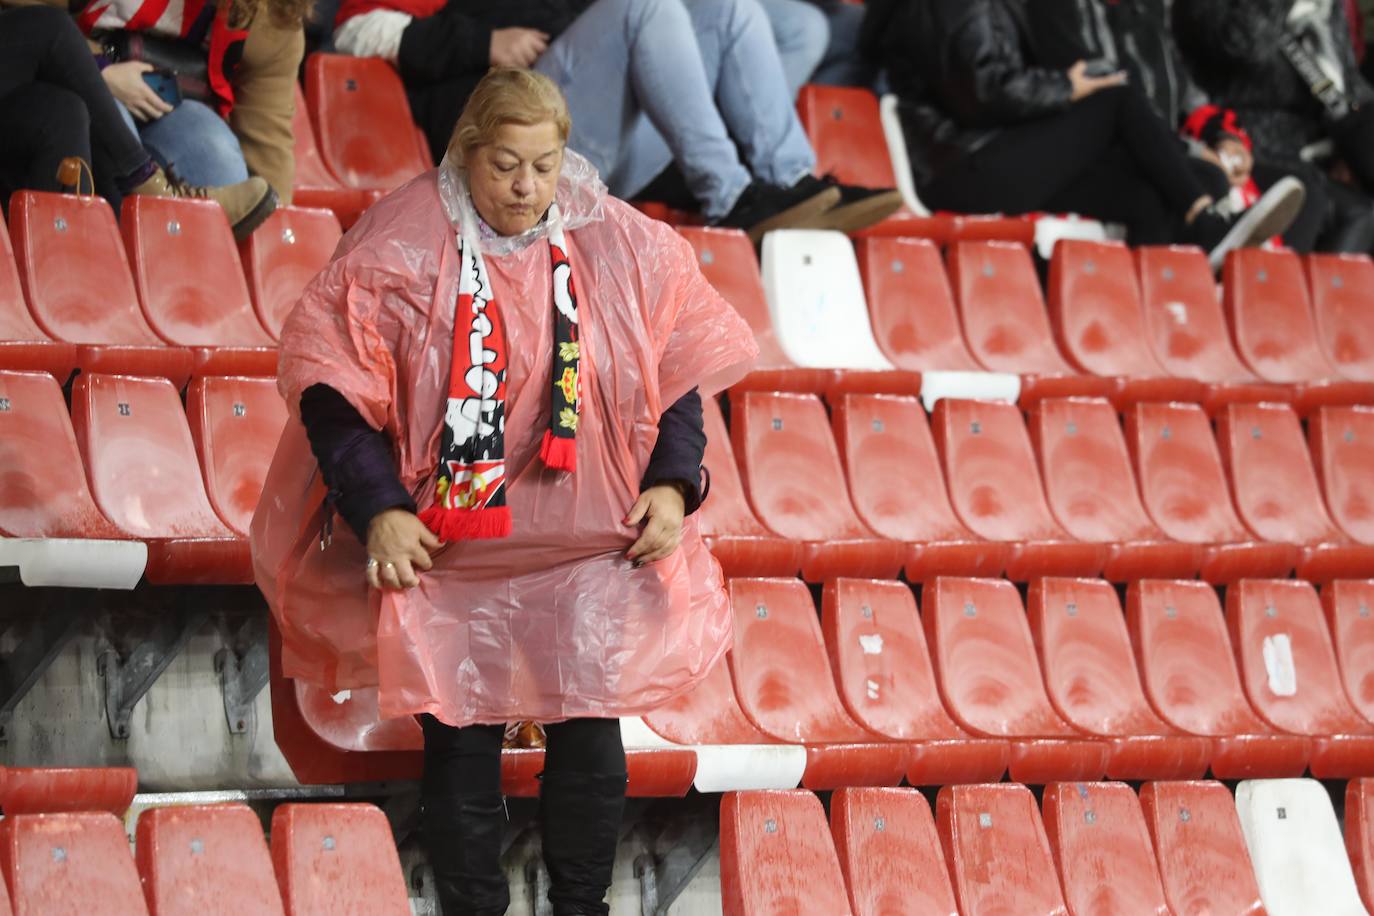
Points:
(1101, 67)
(164, 83)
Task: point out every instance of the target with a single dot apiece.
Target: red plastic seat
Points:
(1183, 487)
(337, 859)
(882, 668)
(1100, 324)
(707, 714)
(1277, 493)
(1092, 681)
(776, 855)
(785, 687)
(1341, 286)
(971, 621)
(1092, 491)
(235, 424)
(54, 790)
(899, 490)
(315, 185)
(1200, 848)
(189, 279)
(1359, 835)
(79, 287)
(996, 490)
(206, 859)
(1349, 607)
(997, 850)
(72, 864)
(1341, 439)
(1102, 846)
(735, 537)
(890, 852)
(1291, 676)
(283, 255)
(143, 472)
(792, 474)
(362, 121)
(911, 305)
(24, 346)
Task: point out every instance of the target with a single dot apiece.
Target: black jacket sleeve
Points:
(993, 84)
(678, 452)
(446, 45)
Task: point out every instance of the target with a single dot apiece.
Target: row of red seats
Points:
(45, 790)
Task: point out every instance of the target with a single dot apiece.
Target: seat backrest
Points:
(989, 464)
(45, 494)
(362, 121)
(1271, 474)
(997, 850)
(283, 255)
(779, 666)
(1199, 847)
(1271, 316)
(352, 722)
(1182, 483)
(1183, 315)
(1342, 287)
(69, 865)
(187, 272)
(1342, 445)
(968, 622)
(1286, 661)
(816, 300)
(139, 457)
(890, 852)
(1102, 847)
(1085, 651)
(1095, 309)
(1349, 607)
(727, 511)
(235, 424)
(311, 171)
(776, 855)
(16, 323)
(791, 467)
(1359, 834)
(1186, 664)
(1003, 309)
(1087, 470)
(212, 859)
(911, 304)
(843, 126)
(707, 714)
(337, 858)
(75, 272)
(893, 469)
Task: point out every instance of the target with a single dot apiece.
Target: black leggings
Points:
(459, 761)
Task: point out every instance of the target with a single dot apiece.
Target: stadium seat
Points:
(1342, 286)
(283, 255)
(1183, 487)
(56, 790)
(735, 537)
(1103, 850)
(362, 121)
(1341, 440)
(24, 346)
(206, 860)
(141, 464)
(882, 668)
(315, 186)
(1092, 492)
(72, 864)
(1291, 675)
(190, 281)
(1200, 849)
(969, 621)
(1359, 835)
(890, 852)
(1100, 325)
(792, 474)
(337, 860)
(1271, 318)
(1092, 681)
(235, 424)
(1349, 607)
(1190, 676)
(995, 488)
(911, 305)
(1277, 494)
(776, 856)
(79, 287)
(1295, 846)
(899, 490)
(997, 851)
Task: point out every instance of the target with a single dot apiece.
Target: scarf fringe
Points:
(467, 524)
(558, 452)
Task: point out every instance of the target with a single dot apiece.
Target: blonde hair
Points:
(507, 95)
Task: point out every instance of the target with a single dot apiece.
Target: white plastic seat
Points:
(728, 767)
(896, 151)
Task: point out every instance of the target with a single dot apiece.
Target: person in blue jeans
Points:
(818, 42)
(199, 142)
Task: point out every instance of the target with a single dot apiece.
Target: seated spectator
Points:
(991, 129)
(818, 42)
(54, 106)
(649, 83)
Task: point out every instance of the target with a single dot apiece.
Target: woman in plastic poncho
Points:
(499, 378)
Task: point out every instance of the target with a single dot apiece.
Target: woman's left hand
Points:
(661, 510)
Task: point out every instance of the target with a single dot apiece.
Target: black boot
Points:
(463, 841)
(580, 818)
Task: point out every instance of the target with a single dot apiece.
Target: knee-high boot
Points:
(580, 819)
(462, 835)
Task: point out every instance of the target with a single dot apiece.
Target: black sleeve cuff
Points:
(678, 452)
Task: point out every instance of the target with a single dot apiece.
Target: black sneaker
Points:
(1220, 232)
(762, 207)
(858, 208)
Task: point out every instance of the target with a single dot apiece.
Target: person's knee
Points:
(42, 23)
(799, 27)
(64, 113)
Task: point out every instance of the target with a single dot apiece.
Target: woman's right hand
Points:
(126, 84)
(517, 47)
(401, 544)
(1085, 85)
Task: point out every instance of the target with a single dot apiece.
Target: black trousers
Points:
(463, 760)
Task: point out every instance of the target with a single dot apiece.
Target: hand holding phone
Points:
(164, 83)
